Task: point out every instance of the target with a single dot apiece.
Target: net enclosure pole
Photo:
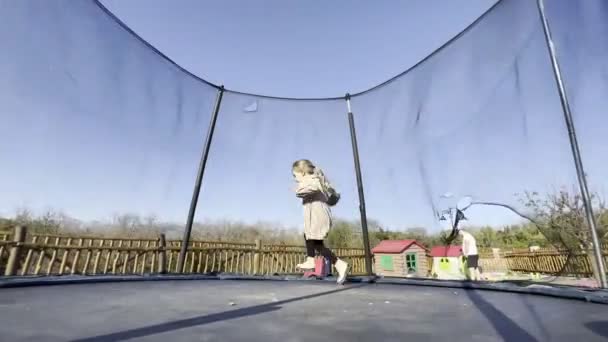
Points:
(582, 181)
(353, 140)
(199, 181)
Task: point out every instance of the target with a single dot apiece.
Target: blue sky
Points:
(112, 127)
(294, 48)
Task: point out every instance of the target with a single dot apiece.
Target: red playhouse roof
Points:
(395, 246)
(446, 251)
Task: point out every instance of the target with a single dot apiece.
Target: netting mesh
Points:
(256, 141)
(581, 52)
(93, 121)
(96, 122)
(481, 117)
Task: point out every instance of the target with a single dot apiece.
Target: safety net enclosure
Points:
(94, 121)
(480, 117)
(97, 122)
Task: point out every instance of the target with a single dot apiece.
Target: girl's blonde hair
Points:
(303, 166)
(306, 167)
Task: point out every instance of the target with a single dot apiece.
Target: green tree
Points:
(341, 235)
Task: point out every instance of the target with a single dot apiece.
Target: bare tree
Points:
(563, 213)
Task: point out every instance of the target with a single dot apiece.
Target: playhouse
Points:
(447, 262)
(400, 258)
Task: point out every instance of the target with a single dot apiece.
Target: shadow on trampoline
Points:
(504, 326)
(537, 319)
(207, 319)
(598, 327)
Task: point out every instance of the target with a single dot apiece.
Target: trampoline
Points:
(236, 309)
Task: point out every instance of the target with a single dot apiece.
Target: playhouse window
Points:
(411, 262)
(386, 262)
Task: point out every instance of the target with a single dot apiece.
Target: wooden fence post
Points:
(13, 257)
(496, 253)
(256, 256)
(162, 258)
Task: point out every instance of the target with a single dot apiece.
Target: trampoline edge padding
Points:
(592, 296)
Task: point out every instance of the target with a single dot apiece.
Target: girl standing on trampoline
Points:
(317, 196)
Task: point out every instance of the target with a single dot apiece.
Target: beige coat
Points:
(317, 214)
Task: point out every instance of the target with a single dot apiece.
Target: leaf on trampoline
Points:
(252, 107)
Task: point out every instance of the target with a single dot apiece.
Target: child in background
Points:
(315, 191)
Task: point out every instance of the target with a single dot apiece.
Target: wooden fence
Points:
(23, 254)
(543, 260)
(493, 264)
(552, 261)
(35, 254)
